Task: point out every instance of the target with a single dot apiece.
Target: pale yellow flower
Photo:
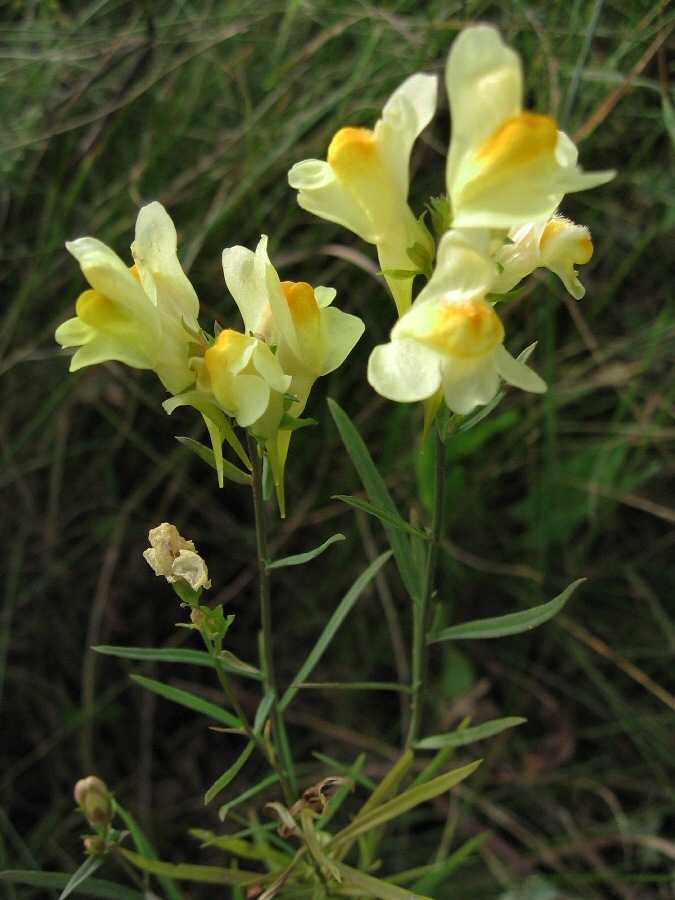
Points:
(506, 166)
(363, 184)
(135, 315)
(451, 339)
(557, 244)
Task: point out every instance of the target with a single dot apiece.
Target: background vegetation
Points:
(107, 105)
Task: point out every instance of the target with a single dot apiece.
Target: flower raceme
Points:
(451, 339)
(506, 166)
(363, 184)
(135, 315)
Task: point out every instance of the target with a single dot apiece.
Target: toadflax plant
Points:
(507, 172)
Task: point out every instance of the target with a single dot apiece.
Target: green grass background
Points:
(205, 106)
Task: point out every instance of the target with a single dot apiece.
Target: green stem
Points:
(286, 771)
(422, 610)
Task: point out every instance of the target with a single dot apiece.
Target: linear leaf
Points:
(159, 654)
(332, 626)
(356, 686)
(228, 775)
(468, 735)
(358, 884)
(192, 872)
(251, 792)
(383, 514)
(206, 453)
(146, 849)
(192, 701)
(301, 558)
(232, 663)
(88, 867)
(513, 623)
(55, 880)
(378, 495)
(406, 801)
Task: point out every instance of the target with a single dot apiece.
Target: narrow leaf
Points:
(146, 849)
(206, 453)
(468, 735)
(228, 775)
(383, 514)
(406, 801)
(192, 872)
(301, 558)
(513, 623)
(358, 884)
(192, 701)
(232, 663)
(379, 496)
(55, 880)
(332, 626)
(88, 867)
(251, 792)
(356, 686)
(313, 845)
(159, 654)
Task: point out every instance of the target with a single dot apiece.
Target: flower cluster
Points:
(260, 378)
(507, 171)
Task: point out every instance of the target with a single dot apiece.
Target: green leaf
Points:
(207, 454)
(513, 623)
(191, 872)
(88, 867)
(54, 880)
(185, 698)
(159, 654)
(361, 885)
(232, 663)
(301, 558)
(468, 735)
(406, 801)
(146, 849)
(228, 775)
(380, 497)
(357, 686)
(251, 792)
(384, 515)
(332, 626)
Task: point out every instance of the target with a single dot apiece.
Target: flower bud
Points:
(93, 798)
(95, 845)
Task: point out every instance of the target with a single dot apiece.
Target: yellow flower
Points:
(135, 315)
(311, 338)
(363, 184)
(451, 339)
(242, 372)
(506, 166)
(557, 244)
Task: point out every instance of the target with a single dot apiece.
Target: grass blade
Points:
(227, 776)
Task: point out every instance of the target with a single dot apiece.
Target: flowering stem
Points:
(422, 610)
(286, 771)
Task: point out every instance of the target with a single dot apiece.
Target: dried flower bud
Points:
(173, 557)
(95, 801)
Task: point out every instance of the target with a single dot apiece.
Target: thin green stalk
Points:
(280, 741)
(422, 611)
